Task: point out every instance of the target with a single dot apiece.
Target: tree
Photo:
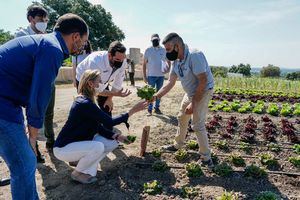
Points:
(102, 29)
(241, 68)
(219, 71)
(270, 71)
(293, 76)
(5, 36)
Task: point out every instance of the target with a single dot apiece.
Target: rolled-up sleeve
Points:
(172, 71)
(46, 66)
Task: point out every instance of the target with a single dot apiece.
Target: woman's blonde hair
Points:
(84, 87)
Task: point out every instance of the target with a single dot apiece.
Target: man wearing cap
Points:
(152, 69)
(197, 81)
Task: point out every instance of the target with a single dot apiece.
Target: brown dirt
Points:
(121, 175)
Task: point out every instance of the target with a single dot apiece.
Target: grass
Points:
(278, 85)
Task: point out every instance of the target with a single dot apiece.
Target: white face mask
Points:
(98, 89)
(41, 26)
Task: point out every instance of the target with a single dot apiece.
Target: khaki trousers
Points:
(199, 117)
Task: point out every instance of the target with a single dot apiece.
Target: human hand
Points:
(109, 103)
(138, 107)
(123, 93)
(189, 109)
(145, 79)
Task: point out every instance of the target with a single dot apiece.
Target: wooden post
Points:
(144, 140)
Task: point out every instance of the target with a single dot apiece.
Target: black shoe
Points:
(149, 113)
(4, 182)
(40, 159)
(209, 164)
(73, 164)
(169, 148)
(157, 111)
(190, 130)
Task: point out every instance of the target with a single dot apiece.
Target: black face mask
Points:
(117, 64)
(172, 55)
(155, 43)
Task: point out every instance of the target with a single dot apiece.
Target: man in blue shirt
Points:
(37, 16)
(28, 68)
(194, 73)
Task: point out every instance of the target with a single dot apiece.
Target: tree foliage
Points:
(219, 71)
(241, 69)
(293, 76)
(270, 71)
(103, 31)
(5, 36)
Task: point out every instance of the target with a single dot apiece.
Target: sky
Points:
(258, 32)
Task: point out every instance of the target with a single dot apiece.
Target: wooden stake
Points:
(144, 140)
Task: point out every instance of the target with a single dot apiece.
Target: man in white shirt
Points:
(152, 69)
(112, 65)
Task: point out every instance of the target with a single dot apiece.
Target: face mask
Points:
(172, 55)
(98, 89)
(41, 26)
(117, 64)
(155, 43)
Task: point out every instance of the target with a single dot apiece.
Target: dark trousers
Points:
(101, 101)
(131, 77)
(48, 121)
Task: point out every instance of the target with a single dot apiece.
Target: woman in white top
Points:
(79, 58)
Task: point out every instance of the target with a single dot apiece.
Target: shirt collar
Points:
(107, 66)
(30, 30)
(62, 44)
(186, 54)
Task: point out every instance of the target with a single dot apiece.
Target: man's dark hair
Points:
(71, 23)
(116, 46)
(36, 10)
(172, 37)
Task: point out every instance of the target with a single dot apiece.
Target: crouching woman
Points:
(77, 141)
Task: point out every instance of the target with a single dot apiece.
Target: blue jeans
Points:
(20, 159)
(157, 82)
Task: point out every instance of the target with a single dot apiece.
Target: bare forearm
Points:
(144, 69)
(33, 132)
(199, 91)
(114, 91)
(165, 89)
(107, 93)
